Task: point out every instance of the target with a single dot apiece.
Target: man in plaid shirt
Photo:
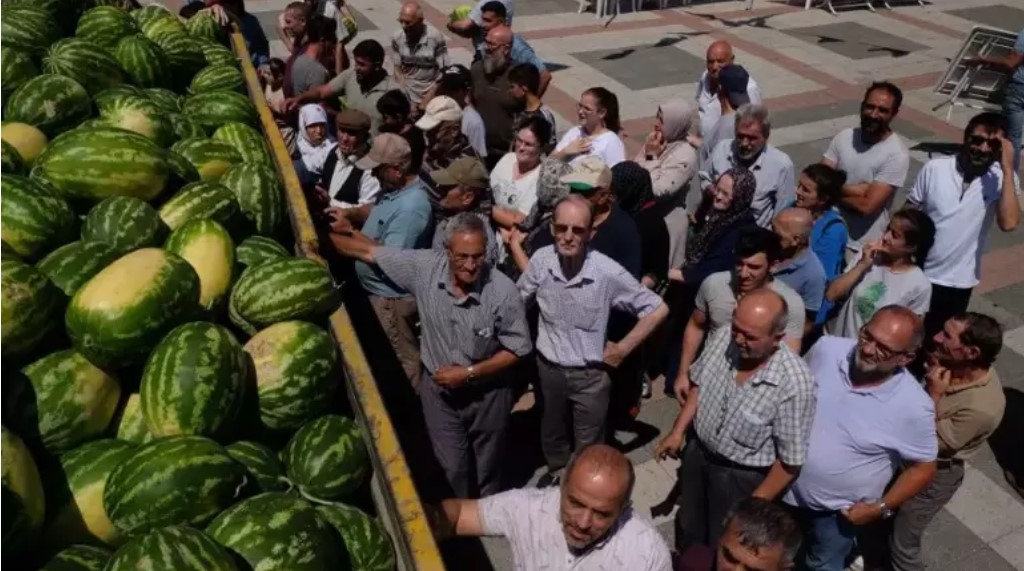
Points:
(751, 405)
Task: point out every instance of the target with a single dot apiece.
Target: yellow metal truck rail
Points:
(394, 494)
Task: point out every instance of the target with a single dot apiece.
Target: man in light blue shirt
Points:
(485, 15)
(872, 415)
(801, 269)
(402, 218)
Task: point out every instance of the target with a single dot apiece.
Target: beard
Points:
(978, 161)
(494, 64)
(873, 127)
(871, 368)
(748, 155)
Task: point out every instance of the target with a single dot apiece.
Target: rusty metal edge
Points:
(415, 545)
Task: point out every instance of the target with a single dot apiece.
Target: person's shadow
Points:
(1006, 440)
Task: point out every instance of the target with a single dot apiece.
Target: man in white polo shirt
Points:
(962, 194)
(709, 107)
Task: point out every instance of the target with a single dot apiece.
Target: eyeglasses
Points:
(576, 230)
(979, 140)
(884, 352)
(491, 46)
(462, 259)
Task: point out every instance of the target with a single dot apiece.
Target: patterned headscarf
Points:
(717, 223)
(631, 184)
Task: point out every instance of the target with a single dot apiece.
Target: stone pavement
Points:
(812, 68)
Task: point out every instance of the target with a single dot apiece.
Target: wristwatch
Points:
(471, 373)
(887, 512)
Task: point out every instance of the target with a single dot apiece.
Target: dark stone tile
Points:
(856, 41)
(1010, 298)
(645, 66)
(998, 16)
(544, 7)
(814, 113)
(949, 544)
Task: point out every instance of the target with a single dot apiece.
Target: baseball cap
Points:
(439, 110)
(456, 77)
(353, 120)
(464, 171)
(387, 149)
(588, 174)
(734, 79)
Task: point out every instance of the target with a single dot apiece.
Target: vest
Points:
(349, 190)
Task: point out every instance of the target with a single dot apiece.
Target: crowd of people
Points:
(830, 378)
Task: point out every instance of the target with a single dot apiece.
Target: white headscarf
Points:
(313, 156)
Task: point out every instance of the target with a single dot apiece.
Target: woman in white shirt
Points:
(598, 130)
(514, 178)
(888, 273)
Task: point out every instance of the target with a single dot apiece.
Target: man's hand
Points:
(676, 275)
(655, 144)
(669, 446)
(340, 224)
(451, 376)
(937, 380)
(1005, 153)
(290, 104)
(321, 199)
(681, 386)
(613, 354)
(862, 513)
(217, 11)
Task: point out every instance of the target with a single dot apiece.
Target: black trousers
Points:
(946, 302)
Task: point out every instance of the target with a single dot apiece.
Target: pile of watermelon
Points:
(185, 416)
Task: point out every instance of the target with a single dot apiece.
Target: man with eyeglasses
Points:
(474, 331)
(461, 187)
(962, 194)
(492, 92)
(401, 218)
(872, 415)
(576, 288)
(876, 160)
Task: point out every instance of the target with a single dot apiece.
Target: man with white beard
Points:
(492, 92)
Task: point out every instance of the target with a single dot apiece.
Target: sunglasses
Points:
(979, 140)
(576, 230)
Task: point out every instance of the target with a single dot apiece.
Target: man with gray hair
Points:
(473, 331)
(759, 534)
(872, 415)
(773, 169)
(419, 52)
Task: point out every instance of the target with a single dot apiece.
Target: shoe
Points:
(549, 480)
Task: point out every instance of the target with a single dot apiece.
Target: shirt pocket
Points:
(477, 339)
(750, 430)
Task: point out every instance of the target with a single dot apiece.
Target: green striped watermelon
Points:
(29, 306)
(33, 221)
(295, 362)
(51, 102)
(279, 290)
(63, 13)
(76, 497)
(259, 196)
(131, 424)
(26, 139)
(167, 100)
(194, 381)
(200, 201)
(105, 25)
(17, 68)
(210, 157)
(94, 163)
(28, 28)
(107, 97)
(10, 160)
(174, 548)
(159, 27)
(368, 543)
(265, 470)
(23, 503)
(327, 458)
(204, 25)
(182, 172)
(178, 480)
(119, 315)
(247, 141)
(217, 77)
(71, 265)
(125, 223)
(139, 115)
(208, 247)
(79, 558)
(278, 531)
(216, 54)
(62, 401)
(258, 249)
(184, 53)
(186, 127)
(143, 60)
(85, 62)
(151, 12)
(212, 109)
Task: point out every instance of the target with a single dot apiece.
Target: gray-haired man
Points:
(473, 330)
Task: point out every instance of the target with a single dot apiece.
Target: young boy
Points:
(525, 80)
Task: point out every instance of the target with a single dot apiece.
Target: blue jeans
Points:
(1013, 108)
(828, 540)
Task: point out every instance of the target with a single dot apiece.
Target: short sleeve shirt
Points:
(458, 331)
(968, 414)
(716, 297)
(806, 276)
(607, 146)
(347, 86)
(878, 288)
(422, 63)
(402, 219)
(530, 520)
(886, 161)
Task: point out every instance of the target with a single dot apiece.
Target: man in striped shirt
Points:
(576, 289)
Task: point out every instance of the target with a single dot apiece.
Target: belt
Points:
(718, 459)
(551, 363)
(947, 463)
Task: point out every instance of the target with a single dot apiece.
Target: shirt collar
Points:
(795, 263)
(953, 389)
(882, 392)
(768, 374)
(586, 273)
(444, 282)
(396, 194)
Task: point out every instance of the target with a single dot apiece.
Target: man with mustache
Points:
(419, 52)
(875, 160)
(709, 105)
(773, 169)
(492, 92)
(969, 405)
(587, 523)
(962, 194)
(871, 416)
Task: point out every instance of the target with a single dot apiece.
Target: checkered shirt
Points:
(767, 418)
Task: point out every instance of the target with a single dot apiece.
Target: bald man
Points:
(492, 92)
(872, 415)
(800, 267)
(576, 288)
(751, 403)
(419, 52)
(709, 107)
(587, 523)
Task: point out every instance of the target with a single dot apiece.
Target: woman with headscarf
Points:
(631, 185)
(670, 155)
(313, 144)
